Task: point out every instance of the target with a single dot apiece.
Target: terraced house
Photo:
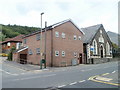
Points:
(62, 43)
(97, 44)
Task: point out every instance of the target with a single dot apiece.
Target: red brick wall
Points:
(68, 45)
(32, 44)
(5, 47)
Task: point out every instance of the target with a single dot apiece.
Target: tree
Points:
(10, 55)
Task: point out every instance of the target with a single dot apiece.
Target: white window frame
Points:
(107, 48)
(30, 52)
(75, 54)
(8, 44)
(79, 37)
(63, 35)
(101, 39)
(56, 34)
(75, 37)
(63, 53)
(95, 47)
(57, 53)
(37, 50)
(100, 31)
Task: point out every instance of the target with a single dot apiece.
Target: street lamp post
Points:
(41, 39)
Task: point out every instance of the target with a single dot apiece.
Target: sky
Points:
(83, 13)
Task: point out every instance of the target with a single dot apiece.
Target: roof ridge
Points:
(93, 26)
(59, 23)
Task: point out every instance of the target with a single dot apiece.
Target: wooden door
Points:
(80, 58)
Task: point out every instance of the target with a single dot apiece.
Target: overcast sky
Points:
(83, 13)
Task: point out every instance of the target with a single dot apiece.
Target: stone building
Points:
(97, 44)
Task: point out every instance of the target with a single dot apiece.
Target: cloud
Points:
(83, 12)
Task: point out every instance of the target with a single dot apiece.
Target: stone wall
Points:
(102, 60)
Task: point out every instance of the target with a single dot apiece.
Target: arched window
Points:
(95, 47)
(107, 49)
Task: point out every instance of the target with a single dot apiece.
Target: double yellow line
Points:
(93, 79)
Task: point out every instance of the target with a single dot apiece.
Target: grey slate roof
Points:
(90, 32)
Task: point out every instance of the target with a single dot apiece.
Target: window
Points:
(30, 52)
(75, 37)
(101, 31)
(63, 35)
(101, 39)
(18, 45)
(8, 44)
(56, 53)
(79, 37)
(38, 37)
(107, 49)
(63, 53)
(94, 47)
(75, 54)
(38, 50)
(25, 41)
(57, 34)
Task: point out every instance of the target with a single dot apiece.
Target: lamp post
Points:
(41, 40)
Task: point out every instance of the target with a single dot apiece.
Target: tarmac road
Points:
(67, 77)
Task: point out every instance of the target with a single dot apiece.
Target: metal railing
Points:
(22, 61)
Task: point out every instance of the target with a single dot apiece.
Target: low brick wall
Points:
(102, 60)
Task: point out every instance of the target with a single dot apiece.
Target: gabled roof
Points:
(55, 25)
(15, 39)
(90, 32)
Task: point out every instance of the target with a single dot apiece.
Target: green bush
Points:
(10, 55)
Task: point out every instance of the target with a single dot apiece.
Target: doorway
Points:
(23, 58)
(101, 51)
(80, 58)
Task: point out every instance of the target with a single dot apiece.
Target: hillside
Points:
(9, 31)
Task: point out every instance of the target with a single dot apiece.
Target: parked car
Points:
(3, 54)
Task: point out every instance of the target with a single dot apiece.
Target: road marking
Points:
(82, 81)
(73, 83)
(8, 72)
(13, 66)
(92, 78)
(34, 77)
(113, 71)
(86, 70)
(61, 86)
(107, 82)
(105, 74)
(103, 79)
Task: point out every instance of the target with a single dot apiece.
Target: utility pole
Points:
(41, 54)
(45, 41)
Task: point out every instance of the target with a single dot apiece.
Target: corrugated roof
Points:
(90, 32)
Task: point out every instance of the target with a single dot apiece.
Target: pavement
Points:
(32, 68)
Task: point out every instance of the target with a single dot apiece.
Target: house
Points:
(96, 44)
(61, 41)
(11, 42)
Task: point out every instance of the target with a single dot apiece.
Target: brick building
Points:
(63, 47)
(11, 42)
